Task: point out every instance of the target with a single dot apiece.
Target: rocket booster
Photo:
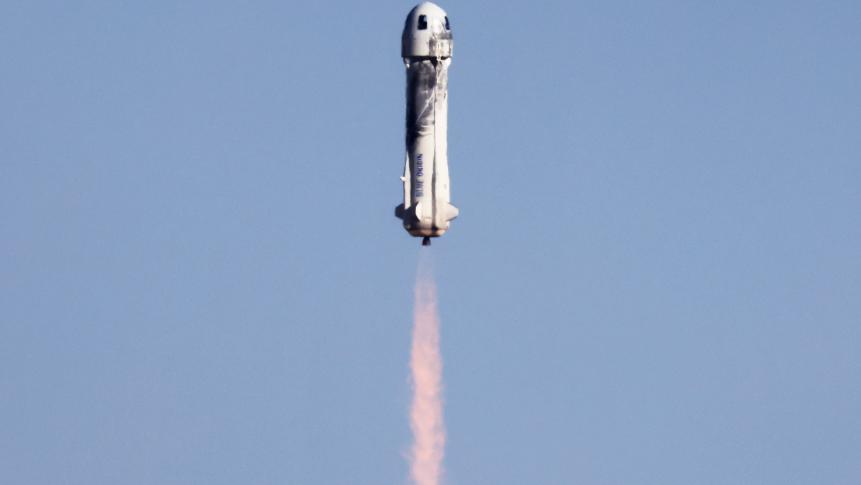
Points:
(426, 47)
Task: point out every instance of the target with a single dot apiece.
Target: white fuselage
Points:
(426, 50)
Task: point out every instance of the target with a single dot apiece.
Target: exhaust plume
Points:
(426, 419)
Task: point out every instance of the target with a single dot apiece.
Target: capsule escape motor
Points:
(426, 47)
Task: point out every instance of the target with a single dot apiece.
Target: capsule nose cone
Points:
(427, 7)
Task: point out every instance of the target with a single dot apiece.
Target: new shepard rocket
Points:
(426, 46)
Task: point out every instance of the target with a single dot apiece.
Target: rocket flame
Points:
(426, 419)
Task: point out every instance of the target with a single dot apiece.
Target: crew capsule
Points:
(427, 33)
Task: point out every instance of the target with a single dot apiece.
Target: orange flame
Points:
(426, 418)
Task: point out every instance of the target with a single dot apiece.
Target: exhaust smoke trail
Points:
(426, 419)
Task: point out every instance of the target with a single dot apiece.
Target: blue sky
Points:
(654, 279)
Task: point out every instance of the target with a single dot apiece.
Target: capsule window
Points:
(447, 26)
(423, 22)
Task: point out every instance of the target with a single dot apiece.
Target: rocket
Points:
(426, 46)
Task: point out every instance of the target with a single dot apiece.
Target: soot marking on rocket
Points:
(440, 43)
(426, 79)
(422, 85)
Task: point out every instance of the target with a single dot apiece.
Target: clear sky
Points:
(655, 277)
